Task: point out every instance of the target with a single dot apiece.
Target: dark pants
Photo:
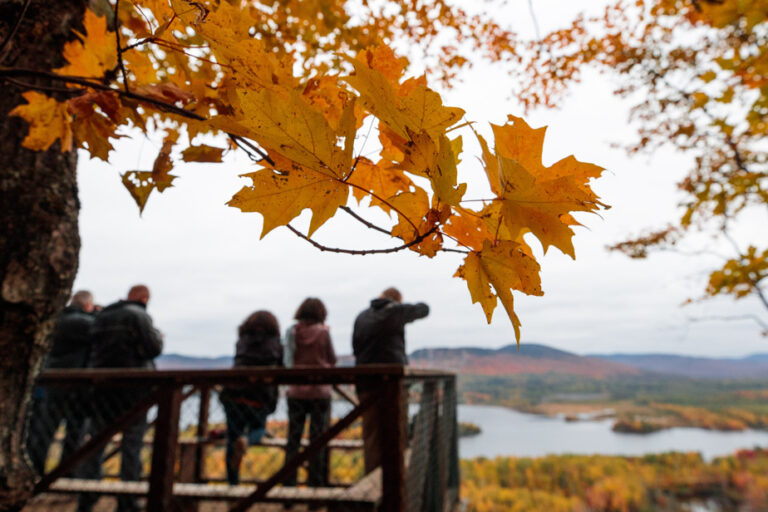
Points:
(51, 407)
(319, 412)
(109, 406)
(242, 420)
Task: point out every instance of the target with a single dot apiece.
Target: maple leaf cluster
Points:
(193, 69)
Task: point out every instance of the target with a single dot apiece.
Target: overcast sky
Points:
(208, 270)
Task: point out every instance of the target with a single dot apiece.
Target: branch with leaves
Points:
(207, 76)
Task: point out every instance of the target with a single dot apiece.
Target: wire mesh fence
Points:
(70, 415)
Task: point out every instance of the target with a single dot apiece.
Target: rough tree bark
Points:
(39, 241)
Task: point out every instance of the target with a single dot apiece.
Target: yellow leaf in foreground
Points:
(140, 185)
(286, 124)
(281, 195)
(380, 179)
(48, 120)
(94, 53)
(202, 153)
(534, 197)
(501, 268)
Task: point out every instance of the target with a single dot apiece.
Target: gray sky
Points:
(208, 270)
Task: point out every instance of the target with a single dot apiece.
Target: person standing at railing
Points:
(247, 408)
(379, 338)
(308, 344)
(70, 348)
(123, 336)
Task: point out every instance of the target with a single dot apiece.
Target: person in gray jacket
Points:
(379, 338)
(123, 336)
(70, 348)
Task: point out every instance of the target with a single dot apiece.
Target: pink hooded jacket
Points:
(311, 347)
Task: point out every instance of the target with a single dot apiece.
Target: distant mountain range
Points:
(751, 367)
(541, 359)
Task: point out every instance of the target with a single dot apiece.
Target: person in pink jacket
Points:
(308, 344)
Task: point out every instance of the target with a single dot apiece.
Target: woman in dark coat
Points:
(309, 345)
(247, 408)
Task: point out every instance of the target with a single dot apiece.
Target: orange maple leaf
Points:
(281, 193)
(534, 197)
(48, 120)
(94, 53)
(500, 267)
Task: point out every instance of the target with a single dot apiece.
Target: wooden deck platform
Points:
(365, 495)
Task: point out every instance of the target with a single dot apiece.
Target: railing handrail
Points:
(223, 376)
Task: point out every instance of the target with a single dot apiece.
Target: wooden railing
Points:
(421, 477)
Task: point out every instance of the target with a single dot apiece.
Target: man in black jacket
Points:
(123, 337)
(379, 338)
(70, 348)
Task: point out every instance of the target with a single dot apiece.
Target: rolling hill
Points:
(530, 359)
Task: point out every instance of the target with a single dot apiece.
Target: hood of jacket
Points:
(308, 334)
(380, 303)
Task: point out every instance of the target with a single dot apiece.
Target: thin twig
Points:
(60, 90)
(363, 221)
(119, 50)
(359, 155)
(13, 31)
(361, 252)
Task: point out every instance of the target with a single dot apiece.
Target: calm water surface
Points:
(508, 432)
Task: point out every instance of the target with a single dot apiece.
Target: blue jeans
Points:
(242, 420)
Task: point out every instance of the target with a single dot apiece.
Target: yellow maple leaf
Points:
(418, 220)
(163, 164)
(202, 153)
(420, 111)
(500, 268)
(48, 120)
(383, 180)
(281, 193)
(94, 53)
(140, 185)
(534, 197)
(468, 228)
(93, 128)
(286, 124)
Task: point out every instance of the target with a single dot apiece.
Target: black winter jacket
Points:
(379, 333)
(71, 344)
(257, 349)
(123, 337)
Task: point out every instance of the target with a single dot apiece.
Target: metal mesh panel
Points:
(432, 459)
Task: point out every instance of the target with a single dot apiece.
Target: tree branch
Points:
(361, 252)
(363, 221)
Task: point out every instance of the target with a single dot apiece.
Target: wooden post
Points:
(202, 432)
(393, 445)
(166, 438)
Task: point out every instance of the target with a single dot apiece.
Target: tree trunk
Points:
(39, 242)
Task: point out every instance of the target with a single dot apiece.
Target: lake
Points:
(509, 432)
